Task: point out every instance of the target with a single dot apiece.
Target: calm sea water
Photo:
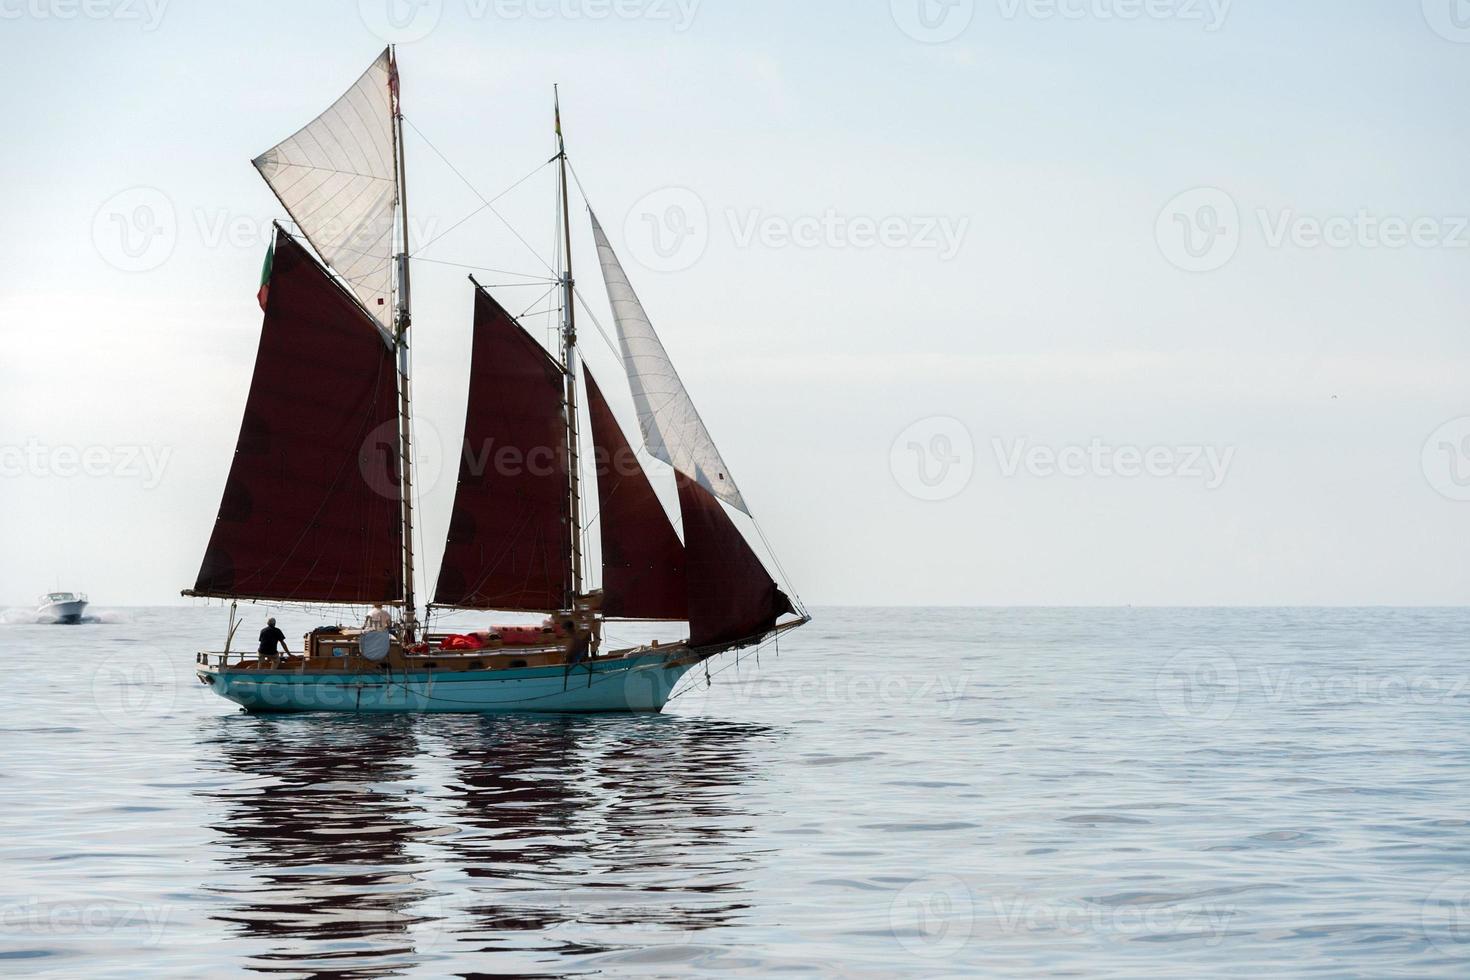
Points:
(1005, 792)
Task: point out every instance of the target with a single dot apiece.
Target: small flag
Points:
(265, 275)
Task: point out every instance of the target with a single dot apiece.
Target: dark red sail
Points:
(642, 557)
(311, 509)
(732, 598)
(509, 542)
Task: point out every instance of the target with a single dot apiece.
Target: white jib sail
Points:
(672, 429)
(336, 178)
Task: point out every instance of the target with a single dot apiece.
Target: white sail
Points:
(337, 179)
(672, 428)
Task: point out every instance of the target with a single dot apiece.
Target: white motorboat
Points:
(62, 607)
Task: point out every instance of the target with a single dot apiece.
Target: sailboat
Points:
(318, 508)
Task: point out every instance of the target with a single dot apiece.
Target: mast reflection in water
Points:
(359, 846)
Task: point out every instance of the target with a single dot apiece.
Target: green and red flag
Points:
(265, 275)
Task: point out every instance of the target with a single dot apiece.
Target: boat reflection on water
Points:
(358, 845)
(318, 823)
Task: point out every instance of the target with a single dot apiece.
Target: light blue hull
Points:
(641, 684)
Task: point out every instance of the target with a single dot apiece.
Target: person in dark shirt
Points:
(269, 638)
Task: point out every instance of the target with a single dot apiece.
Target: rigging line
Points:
(489, 203)
(534, 279)
(578, 181)
(794, 597)
(692, 685)
(598, 324)
(536, 302)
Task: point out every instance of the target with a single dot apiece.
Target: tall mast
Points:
(403, 318)
(569, 365)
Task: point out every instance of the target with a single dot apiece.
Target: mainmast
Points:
(403, 319)
(569, 365)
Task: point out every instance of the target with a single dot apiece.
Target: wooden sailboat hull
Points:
(630, 684)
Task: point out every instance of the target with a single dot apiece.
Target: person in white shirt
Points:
(378, 619)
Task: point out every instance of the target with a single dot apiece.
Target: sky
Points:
(985, 302)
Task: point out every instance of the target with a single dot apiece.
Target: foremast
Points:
(402, 320)
(569, 366)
